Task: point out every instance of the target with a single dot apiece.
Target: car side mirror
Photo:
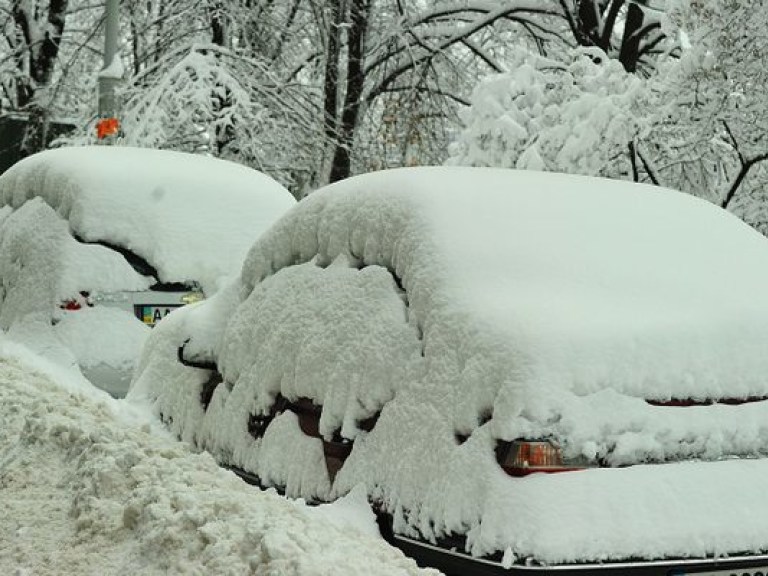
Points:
(201, 364)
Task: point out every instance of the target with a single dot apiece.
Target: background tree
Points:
(627, 30)
(33, 32)
(414, 63)
(711, 139)
(348, 86)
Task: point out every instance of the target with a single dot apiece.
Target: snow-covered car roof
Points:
(191, 217)
(575, 283)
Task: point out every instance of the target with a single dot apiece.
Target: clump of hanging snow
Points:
(90, 487)
(504, 304)
(206, 324)
(114, 69)
(180, 393)
(356, 317)
(41, 267)
(191, 217)
(102, 334)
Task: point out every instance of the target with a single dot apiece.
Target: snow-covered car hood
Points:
(191, 217)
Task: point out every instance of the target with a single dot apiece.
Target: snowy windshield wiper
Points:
(137, 262)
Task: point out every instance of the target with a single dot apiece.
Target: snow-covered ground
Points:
(93, 485)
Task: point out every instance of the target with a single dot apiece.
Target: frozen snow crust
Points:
(508, 305)
(192, 217)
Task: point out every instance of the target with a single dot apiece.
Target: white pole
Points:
(108, 79)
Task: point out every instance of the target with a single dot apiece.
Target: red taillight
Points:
(76, 303)
(522, 457)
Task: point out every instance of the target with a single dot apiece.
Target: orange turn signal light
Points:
(107, 127)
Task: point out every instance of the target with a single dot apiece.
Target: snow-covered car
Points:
(99, 243)
(528, 372)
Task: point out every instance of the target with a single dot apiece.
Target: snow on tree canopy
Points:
(191, 217)
(507, 304)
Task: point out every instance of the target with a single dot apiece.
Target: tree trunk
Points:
(331, 81)
(42, 48)
(35, 136)
(629, 54)
(224, 135)
(341, 165)
(593, 23)
(218, 24)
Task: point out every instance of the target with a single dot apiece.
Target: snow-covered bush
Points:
(577, 117)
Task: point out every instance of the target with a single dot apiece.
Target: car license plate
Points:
(756, 571)
(151, 314)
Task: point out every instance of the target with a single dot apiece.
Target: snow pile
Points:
(89, 488)
(505, 305)
(106, 343)
(191, 217)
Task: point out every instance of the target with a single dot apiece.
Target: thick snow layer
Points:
(500, 305)
(41, 265)
(191, 217)
(103, 335)
(587, 283)
(358, 318)
(89, 486)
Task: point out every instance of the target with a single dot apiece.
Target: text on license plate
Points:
(152, 314)
(757, 571)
